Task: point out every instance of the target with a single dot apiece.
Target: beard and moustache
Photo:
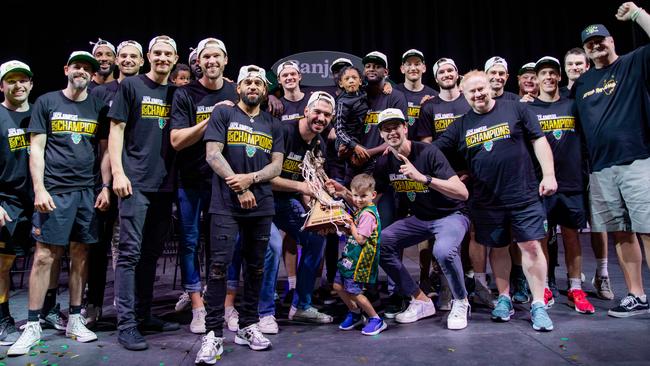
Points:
(252, 101)
(79, 84)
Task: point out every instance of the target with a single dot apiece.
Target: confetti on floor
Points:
(451, 349)
(289, 355)
(564, 339)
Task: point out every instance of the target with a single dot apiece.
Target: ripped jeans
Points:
(254, 232)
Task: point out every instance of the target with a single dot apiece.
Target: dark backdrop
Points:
(261, 32)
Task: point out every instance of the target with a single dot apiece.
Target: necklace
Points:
(251, 115)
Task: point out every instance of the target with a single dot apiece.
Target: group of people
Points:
(467, 173)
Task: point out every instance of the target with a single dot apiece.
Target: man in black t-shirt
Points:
(576, 63)
(567, 207)
(16, 196)
(413, 67)
(497, 70)
(142, 161)
(129, 61)
(293, 99)
(191, 109)
(421, 176)
(65, 127)
(245, 149)
(104, 53)
(613, 105)
(495, 137)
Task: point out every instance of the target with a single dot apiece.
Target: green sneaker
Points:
(503, 310)
(541, 321)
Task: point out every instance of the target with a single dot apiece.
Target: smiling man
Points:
(612, 103)
(497, 70)
(142, 165)
(104, 53)
(65, 128)
(413, 67)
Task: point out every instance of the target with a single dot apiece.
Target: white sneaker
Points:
(460, 310)
(252, 337)
(211, 349)
(183, 302)
(268, 325)
(231, 316)
(311, 315)
(197, 326)
(292, 312)
(30, 336)
(417, 310)
(76, 329)
(444, 299)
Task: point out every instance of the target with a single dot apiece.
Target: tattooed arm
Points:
(216, 160)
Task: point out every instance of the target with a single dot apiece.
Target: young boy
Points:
(359, 262)
(181, 75)
(351, 109)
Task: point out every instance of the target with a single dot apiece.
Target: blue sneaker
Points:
(503, 310)
(541, 321)
(374, 326)
(351, 321)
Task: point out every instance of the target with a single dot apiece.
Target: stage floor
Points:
(577, 339)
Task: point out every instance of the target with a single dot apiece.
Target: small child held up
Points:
(181, 75)
(351, 109)
(359, 262)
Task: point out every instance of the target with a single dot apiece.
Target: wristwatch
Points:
(429, 179)
(106, 185)
(256, 178)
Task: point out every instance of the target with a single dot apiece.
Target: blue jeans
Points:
(289, 218)
(191, 203)
(271, 266)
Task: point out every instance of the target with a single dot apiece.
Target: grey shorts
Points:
(74, 219)
(620, 198)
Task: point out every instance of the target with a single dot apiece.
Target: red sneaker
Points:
(578, 299)
(548, 298)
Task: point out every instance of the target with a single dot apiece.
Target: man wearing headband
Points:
(104, 53)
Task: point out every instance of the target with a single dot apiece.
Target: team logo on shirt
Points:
(609, 85)
(372, 118)
(18, 139)
(73, 125)
(155, 108)
(486, 136)
(243, 135)
(556, 125)
(203, 113)
(441, 121)
(291, 165)
(402, 184)
(291, 117)
(413, 113)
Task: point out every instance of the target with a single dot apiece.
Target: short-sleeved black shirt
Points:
(248, 146)
(413, 102)
(15, 181)
(376, 104)
(496, 147)
(147, 155)
(293, 111)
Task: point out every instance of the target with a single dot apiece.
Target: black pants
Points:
(98, 255)
(254, 232)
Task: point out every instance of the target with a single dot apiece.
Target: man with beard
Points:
(289, 189)
(413, 68)
(245, 150)
(612, 100)
(142, 165)
(195, 67)
(104, 53)
(65, 126)
(191, 110)
(16, 197)
(129, 62)
(495, 137)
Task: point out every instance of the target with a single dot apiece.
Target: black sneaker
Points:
(552, 285)
(132, 340)
(155, 324)
(630, 305)
(396, 304)
(8, 332)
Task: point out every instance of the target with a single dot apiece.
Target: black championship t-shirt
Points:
(106, 92)
(193, 103)
(558, 123)
(496, 148)
(423, 202)
(15, 181)
(73, 130)
(435, 116)
(248, 145)
(295, 148)
(293, 111)
(147, 155)
(508, 96)
(614, 110)
(413, 102)
(376, 105)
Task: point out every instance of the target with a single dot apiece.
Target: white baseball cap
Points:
(441, 62)
(376, 57)
(321, 95)
(131, 43)
(390, 114)
(252, 71)
(15, 66)
(102, 42)
(210, 42)
(163, 39)
(286, 64)
(495, 60)
(412, 52)
(339, 63)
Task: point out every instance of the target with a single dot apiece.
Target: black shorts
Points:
(566, 209)
(14, 236)
(74, 219)
(493, 227)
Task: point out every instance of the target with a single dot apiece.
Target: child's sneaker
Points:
(374, 327)
(351, 321)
